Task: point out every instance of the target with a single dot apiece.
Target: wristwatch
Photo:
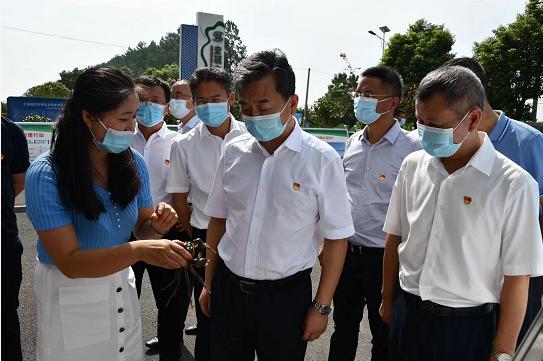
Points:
(500, 356)
(323, 309)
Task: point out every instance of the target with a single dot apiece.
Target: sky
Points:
(312, 33)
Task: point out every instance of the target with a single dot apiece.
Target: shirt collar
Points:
(499, 130)
(192, 122)
(293, 142)
(234, 125)
(483, 159)
(391, 135)
(161, 132)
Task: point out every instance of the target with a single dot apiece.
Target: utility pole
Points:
(306, 109)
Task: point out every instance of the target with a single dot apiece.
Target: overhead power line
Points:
(63, 37)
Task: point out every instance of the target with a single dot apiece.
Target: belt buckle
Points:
(244, 284)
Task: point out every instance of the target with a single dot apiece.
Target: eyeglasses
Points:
(355, 95)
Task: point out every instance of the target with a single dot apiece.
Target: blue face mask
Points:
(401, 121)
(365, 109)
(150, 114)
(439, 142)
(212, 114)
(266, 127)
(115, 141)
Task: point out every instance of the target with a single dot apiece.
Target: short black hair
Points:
(460, 87)
(472, 65)
(388, 76)
(151, 81)
(210, 74)
(268, 62)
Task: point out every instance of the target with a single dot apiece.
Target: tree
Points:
(513, 60)
(138, 60)
(335, 108)
(168, 73)
(423, 48)
(234, 50)
(5, 109)
(52, 89)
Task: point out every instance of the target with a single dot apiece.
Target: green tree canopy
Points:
(51, 89)
(423, 48)
(168, 73)
(335, 108)
(513, 60)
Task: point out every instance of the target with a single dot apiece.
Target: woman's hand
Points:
(163, 253)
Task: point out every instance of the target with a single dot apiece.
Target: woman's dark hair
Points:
(97, 91)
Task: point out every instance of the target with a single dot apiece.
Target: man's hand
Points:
(385, 311)
(314, 325)
(163, 218)
(205, 302)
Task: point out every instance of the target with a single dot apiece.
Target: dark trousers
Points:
(359, 286)
(172, 315)
(417, 335)
(11, 283)
(268, 320)
(201, 345)
(535, 294)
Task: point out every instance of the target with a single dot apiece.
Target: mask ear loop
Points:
(466, 137)
(92, 133)
(282, 110)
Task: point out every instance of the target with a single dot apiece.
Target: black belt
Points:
(250, 286)
(445, 311)
(377, 251)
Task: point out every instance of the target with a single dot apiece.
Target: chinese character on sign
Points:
(218, 36)
(216, 56)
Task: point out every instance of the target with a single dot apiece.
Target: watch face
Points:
(505, 357)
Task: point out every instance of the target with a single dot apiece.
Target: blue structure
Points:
(189, 50)
(21, 107)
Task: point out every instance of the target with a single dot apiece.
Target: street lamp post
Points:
(384, 29)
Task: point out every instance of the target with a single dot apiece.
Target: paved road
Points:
(317, 350)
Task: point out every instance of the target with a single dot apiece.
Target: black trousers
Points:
(359, 286)
(416, 335)
(172, 305)
(11, 283)
(268, 321)
(201, 345)
(535, 294)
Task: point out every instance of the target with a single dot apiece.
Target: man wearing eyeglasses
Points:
(194, 163)
(372, 160)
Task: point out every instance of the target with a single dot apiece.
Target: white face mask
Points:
(178, 108)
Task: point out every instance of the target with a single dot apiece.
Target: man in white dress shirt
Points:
(194, 160)
(463, 234)
(181, 106)
(153, 140)
(277, 192)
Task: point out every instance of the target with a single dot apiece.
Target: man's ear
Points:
(231, 98)
(293, 104)
(474, 119)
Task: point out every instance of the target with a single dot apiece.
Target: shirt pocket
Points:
(84, 313)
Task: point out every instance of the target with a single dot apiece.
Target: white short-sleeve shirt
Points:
(277, 207)
(194, 159)
(156, 152)
(461, 233)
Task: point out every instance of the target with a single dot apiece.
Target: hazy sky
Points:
(311, 33)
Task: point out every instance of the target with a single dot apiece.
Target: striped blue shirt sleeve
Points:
(44, 207)
(145, 199)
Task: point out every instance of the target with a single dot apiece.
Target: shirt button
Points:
(120, 310)
(119, 289)
(363, 188)
(368, 168)
(121, 349)
(121, 330)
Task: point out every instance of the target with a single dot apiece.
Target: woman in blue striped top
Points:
(84, 198)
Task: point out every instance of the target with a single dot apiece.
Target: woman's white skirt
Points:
(87, 318)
